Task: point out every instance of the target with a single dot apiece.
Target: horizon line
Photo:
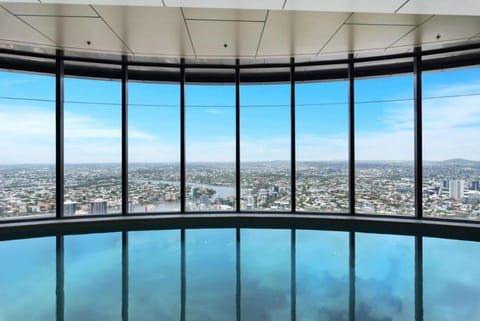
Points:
(233, 162)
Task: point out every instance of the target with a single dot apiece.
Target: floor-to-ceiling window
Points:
(153, 147)
(384, 145)
(210, 144)
(27, 145)
(93, 133)
(451, 157)
(265, 138)
(321, 115)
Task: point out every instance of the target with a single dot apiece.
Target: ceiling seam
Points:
(29, 25)
(53, 16)
(401, 6)
(380, 24)
(284, 4)
(28, 42)
(188, 32)
(261, 33)
(113, 31)
(474, 36)
(409, 32)
(222, 20)
(333, 35)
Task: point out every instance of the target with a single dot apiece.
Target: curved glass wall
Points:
(242, 139)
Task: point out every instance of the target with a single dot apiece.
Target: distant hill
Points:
(459, 161)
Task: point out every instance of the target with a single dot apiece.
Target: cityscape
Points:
(451, 188)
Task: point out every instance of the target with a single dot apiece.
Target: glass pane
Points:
(28, 279)
(93, 132)
(451, 270)
(27, 128)
(153, 147)
(322, 275)
(93, 277)
(385, 277)
(154, 275)
(265, 147)
(322, 146)
(211, 275)
(210, 147)
(384, 140)
(451, 157)
(266, 275)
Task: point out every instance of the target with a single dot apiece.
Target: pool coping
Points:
(380, 225)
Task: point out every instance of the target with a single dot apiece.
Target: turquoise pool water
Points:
(319, 275)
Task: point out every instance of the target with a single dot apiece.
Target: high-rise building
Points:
(69, 208)
(456, 189)
(445, 184)
(204, 199)
(98, 207)
(475, 186)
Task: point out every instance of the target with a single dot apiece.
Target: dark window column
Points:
(124, 136)
(182, 138)
(293, 158)
(237, 135)
(417, 70)
(351, 128)
(59, 143)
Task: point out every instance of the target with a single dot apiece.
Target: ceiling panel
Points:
(387, 19)
(365, 37)
(50, 9)
(378, 6)
(29, 1)
(227, 4)
(225, 14)
(12, 28)
(148, 30)
(289, 32)
(209, 37)
(448, 28)
(74, 32)
(442, 7)
(157, 3)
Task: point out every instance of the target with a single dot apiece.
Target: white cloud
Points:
(215, 111)
(265, 149)
(28, 134)
(450, 130)
(220, 149)
(315, 147)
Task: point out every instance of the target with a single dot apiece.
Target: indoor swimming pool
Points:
(243, 274)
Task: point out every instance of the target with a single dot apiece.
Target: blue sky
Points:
(384, 126)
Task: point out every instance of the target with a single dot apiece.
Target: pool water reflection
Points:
(239, 274)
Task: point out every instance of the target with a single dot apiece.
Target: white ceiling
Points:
(257, 29)
(441, 7)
